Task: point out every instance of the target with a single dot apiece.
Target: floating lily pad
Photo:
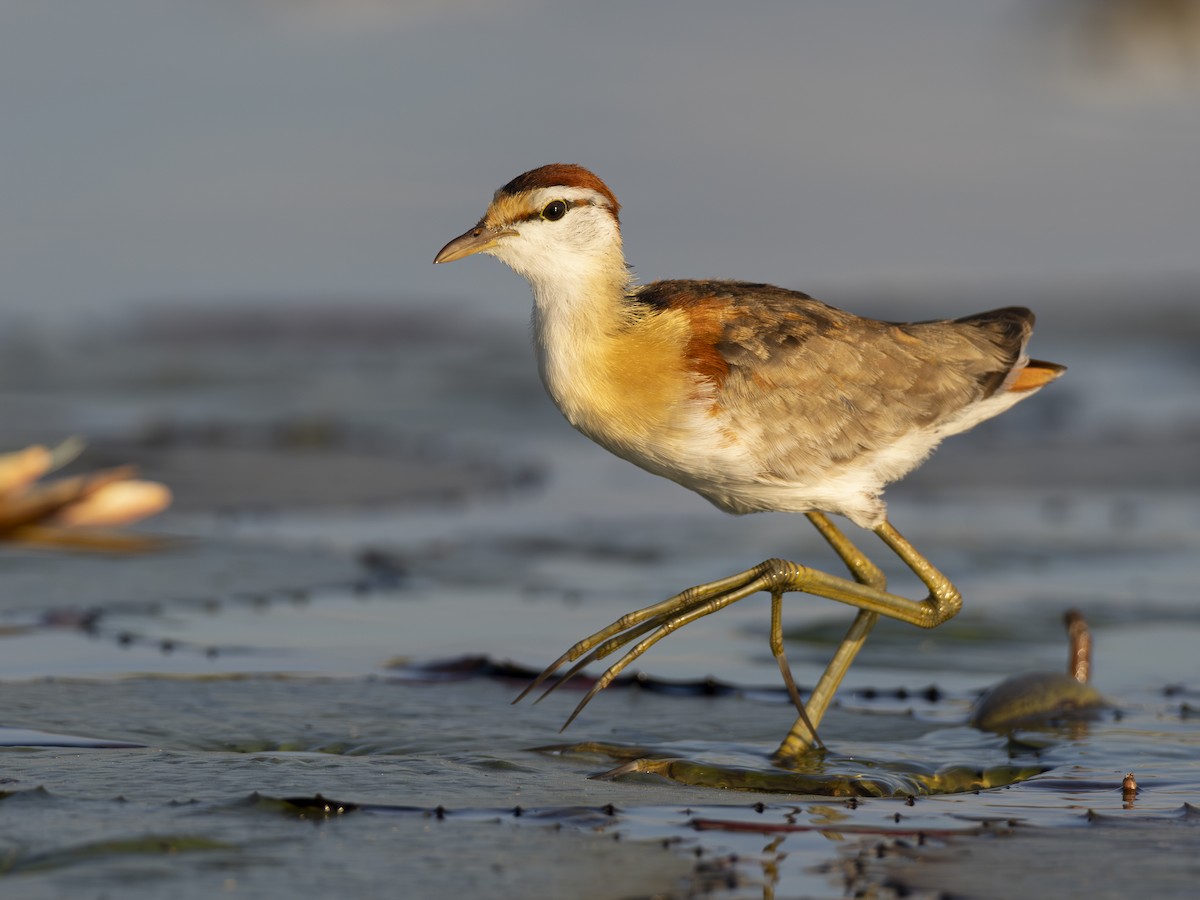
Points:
(819, 774)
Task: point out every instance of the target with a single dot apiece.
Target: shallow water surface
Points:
(253, 709)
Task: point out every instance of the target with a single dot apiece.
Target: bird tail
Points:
(1036, 374)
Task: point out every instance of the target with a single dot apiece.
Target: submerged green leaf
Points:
(826, 775)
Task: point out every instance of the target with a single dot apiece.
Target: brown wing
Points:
(814, 387)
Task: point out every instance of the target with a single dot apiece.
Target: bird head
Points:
(554, 221)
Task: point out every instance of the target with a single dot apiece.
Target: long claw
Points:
(683, 599)
(567, 676)
(626, 621)
(546, 673)
(583, 647)
(668, 624)
(613, 643)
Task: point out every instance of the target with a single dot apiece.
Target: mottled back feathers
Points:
(814, 387)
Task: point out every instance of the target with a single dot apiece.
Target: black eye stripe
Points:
(538, 214)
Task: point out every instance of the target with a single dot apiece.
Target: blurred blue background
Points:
(217, 224)
(163, 152)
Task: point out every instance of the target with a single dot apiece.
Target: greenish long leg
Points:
(638, 622)
(796, 743)
(614, 643)
(679, 604)
(865, 572)
(620, 640)
(860, 566)
(813, 739)
(761, 581)
(777, 576)
(942, 603)
(679, 601)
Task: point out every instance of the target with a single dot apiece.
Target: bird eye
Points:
(554, 210)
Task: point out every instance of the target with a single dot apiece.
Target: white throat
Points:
(579, 280)
(575, 314)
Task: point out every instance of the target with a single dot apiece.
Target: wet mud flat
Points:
(308, 686)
